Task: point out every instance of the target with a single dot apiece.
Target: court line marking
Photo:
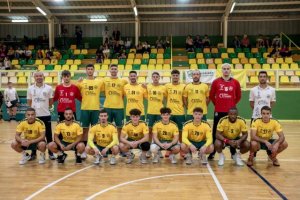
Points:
(281, 160)
(57, 181)
(219, 186)
(140, 180)
(282, 196)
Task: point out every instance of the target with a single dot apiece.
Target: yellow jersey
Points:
(135, 133)
(104, 135)
(174, 98)
(90, 92)
(196, 95)
(265, 130)
(31, 131)
(165, 131)
(232, 130)
(69, 133)
(156, 96)
(114, 92)
(196, 133)
(135, 95)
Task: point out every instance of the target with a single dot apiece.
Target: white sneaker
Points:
(189, 158)
(234, 157)
(203, 159)
(155, 158)
(160, 154)
(83, 155)
(42, 159)
(143, 159)
(130, 158)
(148, 154)
(113, 160)
(25, 158)
(98, 159)
(238, 160)
(173, 159)
(221, 159)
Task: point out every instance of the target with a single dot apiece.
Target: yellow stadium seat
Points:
(132, 50)
(244, 60)
(152, 61)
(281, 73)
(284, 79)
(238, 66)
(297, 73)
(235, 61)
(254, 80)
(128, 67)
(48, 80)
(30, 47)
(76, 51)
(219, 66)
(272, 79)
(102, 74)
(84, 51)
(218, 61)
(141, 79)
(288, 60)
(10, 74)
(294, 66)
(57, 67)
(65, 67)
(224, 55)
(254, 50)
(271, 73)
(206, 50)
(230, 50)
(241, 55)
(106, 61)
(266, 66)
(151, 67)
(54, 61)
(19, 74)
(295, 79)
(139, 56)
(121, 67)
(104, 67)
(160, 56)
(4, 80)
(143, 67)
(74, 68)
(97, 67)
(77, 62)
(214, 50)
(199, 55)
(137, 61)
(279, 60)
(167, 61)
(46, 62)
(166, 66)
(125, 73)
(192, 61)
(166, 80)
(69, 62)
(289, 73)
(52, 74)
(154, 51)
(158, 67)
(160, 61)
(209, 61)
(256, 66)
(15, 62)
(143, 73)
(270, 60)
(38, 62)
(265, 55)
(146, 56)
(247, 66)
(114, 61)
(252, 61)
(275, 66)
(22, 80)
(211, 66)
(129, 61)
(160, 51)
(41, 67)
(73, 46)
(201, 61)
(285, 66)
(13, 79)
(166, 74)
(55, 80)
(193, 66)
(131, 56)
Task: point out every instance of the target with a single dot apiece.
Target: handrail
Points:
(290, 40)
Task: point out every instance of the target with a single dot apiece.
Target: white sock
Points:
(59, 153)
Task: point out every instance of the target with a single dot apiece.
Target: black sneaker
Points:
(211, 156)
(61, 158)
(51, 156)
(78, 160)
(33, 157)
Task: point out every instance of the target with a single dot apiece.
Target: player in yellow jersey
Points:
(135, 134)
(135, 94)
(165, 136)
(232, 132)
(197, 136)
(114, 97)
(103, 139)
(262, 130)
(175, 99)
(90, 89)
(71, 135)
(196, 94)
(30, 135)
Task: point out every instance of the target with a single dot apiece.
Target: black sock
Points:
(232, 151)
(33, 152)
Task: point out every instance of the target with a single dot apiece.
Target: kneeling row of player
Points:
(196, 137)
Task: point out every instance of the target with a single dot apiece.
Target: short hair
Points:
(263, 72)
(66, 73)
(38, 73)
(225, 64)
(155, 73)
(165, 110)
(198, 109)
(233, 109)
(266, 108)
(135, 112)
(175, 71)
(196, 70)
(90, 65)
(102, 110)
(133, 72)
(113, 65)
(30, 109)
(68, 108)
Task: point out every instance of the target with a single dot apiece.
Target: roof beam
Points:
(89, 7)
(182, 5)
(180, 12)
(269, 3)
(38, 3)
(17, 7)
(268, 10)
(228, 7)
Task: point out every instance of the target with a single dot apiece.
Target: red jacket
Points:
(225, 94)
(66, 97)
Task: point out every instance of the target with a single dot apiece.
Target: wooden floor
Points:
(159, 181)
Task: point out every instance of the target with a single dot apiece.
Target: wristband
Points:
(225, 140)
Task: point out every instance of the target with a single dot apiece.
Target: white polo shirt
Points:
(40, 99)
(10, 94)
(261, 97)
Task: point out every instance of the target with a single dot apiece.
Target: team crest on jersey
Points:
(268, 96)
(61, 92)
(71, 94)
(44, 94)
(230, 88)
(221, 87)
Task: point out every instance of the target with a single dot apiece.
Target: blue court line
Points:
(268, 183)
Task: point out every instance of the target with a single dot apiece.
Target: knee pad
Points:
(145, 146)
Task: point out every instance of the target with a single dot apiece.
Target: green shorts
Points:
(179, 120)
(101, 148)
(152, 119)
(167, 141)
(89, 117)
(198, 145)
(128, 118)
(264, 147)
(116, 115)
(66, 144)
(190, 117)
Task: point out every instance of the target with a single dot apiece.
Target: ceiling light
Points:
(135, 11)
(98, 20)
(20, 20)
(232, 7)
(41, 11)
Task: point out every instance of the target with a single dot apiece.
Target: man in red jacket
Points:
(225, 93)
(65, 94)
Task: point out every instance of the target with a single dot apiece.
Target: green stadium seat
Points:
(122, 61)
(261, 60)
(238, 50)
(232, 55)
(31, 62)
(167, 55)
(207, 55)
(227, 60)
(191, 55)
(222, 50)
(153, 56)
(262, 50)
(136, 67)
(49, 67)
(198, 50)
(62, 62)
(248, 55)
(246, 50)
(22, 62)
(202, 66)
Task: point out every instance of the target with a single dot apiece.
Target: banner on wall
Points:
(207, 75)
(238, 74)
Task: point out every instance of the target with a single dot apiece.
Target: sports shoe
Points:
(160, 154)
(78, 160)
(155, 158)
(188, 160)
(148, 154)
(203, 159)
(233, 157)
(211, 156)
(61, 158)
(238, 160)
(113, 160)
(173, 159)
(25, 157)
(42, 159)
(250, 159)
(98, 159)
(51, 156)
(83, 155)
(221, 159)
(32, 157)
(143, 159)
(167, 154)
(130, 158)
(273, 158)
